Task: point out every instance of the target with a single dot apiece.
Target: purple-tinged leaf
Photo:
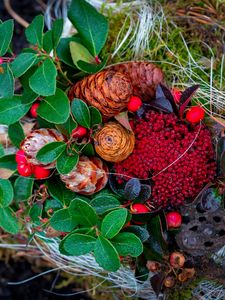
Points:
(157, 282)
(186, 98)
(122, 118)
(132, 189)
(169, 96)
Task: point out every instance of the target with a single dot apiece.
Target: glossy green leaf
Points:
(96, 117)
(6, 81)
(62, 220)
(12, 109)
(81, 112)
(79, 52)
(66, 163)
(36, 212)
(16, 134)
(50, 152)
(141, 232)
(2, 152)
(43, 81)
(103, 203)
(90, 24)
(6, 192)
(53, 204)
(8, 162)
(79, 244)
(48, 41)
(106, 255)
(55, 109)
(155, 230)
(67, 127)
(34, 32)
(127, 243)
(85, 214)
(113, 222)
(23, 188)
(23, 62)
(91, 68)
(6, 33)
(63, 50)
(57, 29)
(8, 221)
(88, 149)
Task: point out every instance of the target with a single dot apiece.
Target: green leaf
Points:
(83, 213)
(34, 32)
(63, 50)
(81, 112)
(79, 244)
(53, 204)
(62, 220)
(50, 152)
(106, 255)
(16, 134)
(43, 81)
(156, 232)
(23, 62)
(55, 109)
(6, 33)
(2, 152)
(127, 243)
(88, 150)
(6, 81)
(113, 222)
(57, 29)
(47, 41)
(79, 52)
(8, 162)
(12, 109)
(67, 127)
(8, 221)
(66, 163)
(91, 68)
(90, 24)
(6, 192)
(58, 191)
(96, 117)
(139, 231)
(36, 212)
(23, 188)
(102, 203)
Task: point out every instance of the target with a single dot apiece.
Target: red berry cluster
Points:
(160, 140)
(26, 169)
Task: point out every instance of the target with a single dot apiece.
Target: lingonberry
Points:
(33, 110)
(173, 219)
(20, 157)
(134, 104)
(195, 114)
(25, 169)
(40, 172)
(79, 132)
(176, 94)
(177, 260)
(138, 208)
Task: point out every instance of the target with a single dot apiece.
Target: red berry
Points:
(79, 132)
(176, 94)
(173, 219)
(195, 114)
(134, 104)
(138, 208)
(33, 110)
(41, 173)
(1, 60)
(20, 157)
(25, 169)
(177, 260)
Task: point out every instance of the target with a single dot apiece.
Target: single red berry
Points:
(138, 208)
(79, 132)
(1, 60)
(134, 104)
(33, 110)
(41, 173)
(177, 260)
(176, 94)
(25, 169)
(20, 157)
(173, 219)
(195, 114)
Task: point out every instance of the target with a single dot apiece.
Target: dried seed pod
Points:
(169, 281)
(143, 75)
(190, 272)
(38, 139)
(107, 90)
(153, 266)
(182, 277)
(88, 177)
(177, 260)
(113, 142)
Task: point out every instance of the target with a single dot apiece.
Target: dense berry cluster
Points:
(160, 140)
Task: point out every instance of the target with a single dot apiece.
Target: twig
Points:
(14, 15)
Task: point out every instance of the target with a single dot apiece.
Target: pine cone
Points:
(113, 142)
(108, 91)
(88, 177)
(38, 139)
(143, 75)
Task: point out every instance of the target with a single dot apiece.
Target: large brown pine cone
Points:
(107, 90)
(113, 142)
(38, 139)
(144, 77)
(88, 177)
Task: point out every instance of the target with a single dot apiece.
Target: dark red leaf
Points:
(157, 282)
(186, 98)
